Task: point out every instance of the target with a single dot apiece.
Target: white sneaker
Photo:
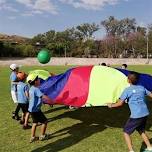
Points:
(32, 139)
(44, 137)
(149, 149)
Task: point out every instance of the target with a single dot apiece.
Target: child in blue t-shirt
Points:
(22, 96)
(35, 103)
(135, 96)
(13, 79)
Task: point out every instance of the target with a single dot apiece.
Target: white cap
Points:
(14, 66)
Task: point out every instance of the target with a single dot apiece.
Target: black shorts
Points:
(135, 124)
(24, 107)
(38, 117)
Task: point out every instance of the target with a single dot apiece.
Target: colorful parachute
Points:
(88, 85)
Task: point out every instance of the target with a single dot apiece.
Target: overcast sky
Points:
(31, 17)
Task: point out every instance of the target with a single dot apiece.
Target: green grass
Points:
(95, 129)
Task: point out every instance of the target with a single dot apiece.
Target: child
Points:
(22, 96)
(35, 103)
(13, 78)
(124, 66)
(103, 64)
(135, 95)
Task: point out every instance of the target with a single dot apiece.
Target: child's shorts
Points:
(24, 107)
(135, 124)
(38, 117)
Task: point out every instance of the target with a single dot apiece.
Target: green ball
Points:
(44, 56)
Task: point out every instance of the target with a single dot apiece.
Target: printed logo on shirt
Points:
(134, 91)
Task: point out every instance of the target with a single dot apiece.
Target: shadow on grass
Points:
(55, 109)
(93, 120)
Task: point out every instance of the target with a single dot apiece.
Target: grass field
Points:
(96, 129)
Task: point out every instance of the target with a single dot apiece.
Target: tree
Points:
(141, 30)
(150, 37)
(86, 30)
(1, 48)
(119, 28)
(126, 26)
(40, 38)
(50, 36)
(111, 26)
(117, 32)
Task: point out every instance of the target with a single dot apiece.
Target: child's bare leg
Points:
(43, 128)
(128, 141)
(146, 139)
(22, 118)
(33, 130)
(26, 118)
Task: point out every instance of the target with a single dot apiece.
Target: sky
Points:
(30, 17)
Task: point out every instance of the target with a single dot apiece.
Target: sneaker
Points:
(148, 149)
(27, 127)
(13, 117)
(44, 137)
(17, 118)
(71, 107)
(33, 139)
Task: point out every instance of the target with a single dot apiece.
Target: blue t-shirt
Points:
(135, 95)
(21, 89)
(13, 78)
(35, 99)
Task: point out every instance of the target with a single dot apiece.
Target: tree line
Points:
(123, 38)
